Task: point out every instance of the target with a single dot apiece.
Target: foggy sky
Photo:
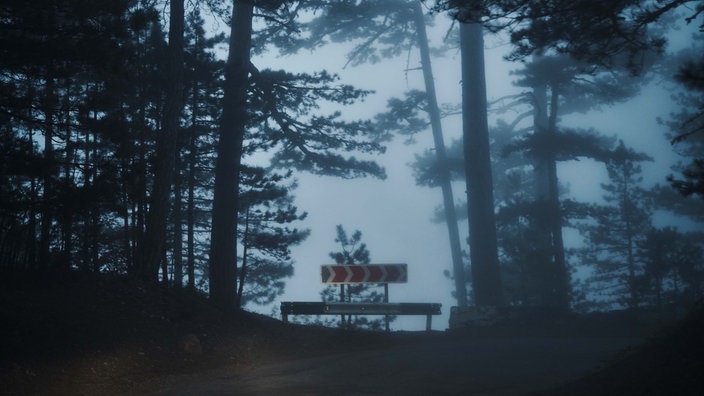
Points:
(394, 214)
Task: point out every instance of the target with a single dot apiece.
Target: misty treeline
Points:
(131, 144)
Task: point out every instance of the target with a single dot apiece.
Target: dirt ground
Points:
(496, 366)
(87, 335)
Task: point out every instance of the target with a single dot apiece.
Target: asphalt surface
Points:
(439, 366)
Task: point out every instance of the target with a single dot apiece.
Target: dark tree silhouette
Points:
(152, 243)
(233, 121)
(688, 128)
(281, 104)
(621, 226)
(673, 271)
(266, 236)
(486, 274)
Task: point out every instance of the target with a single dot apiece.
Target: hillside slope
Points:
(89, 334)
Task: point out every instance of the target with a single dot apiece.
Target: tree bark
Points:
(558, 277)
(541, 266)
(243, 269)
(543, 161)
(486, 274)
(94, 228)
(223, 240)
(153, 241)
(190, 210)
(31, 256)
(441, 155)
(47, 176)
(178, 226)
(67, 207)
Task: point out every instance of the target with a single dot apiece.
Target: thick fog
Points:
(162, 197)
(395, 215)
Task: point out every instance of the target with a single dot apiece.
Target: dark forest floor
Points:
(87, 335)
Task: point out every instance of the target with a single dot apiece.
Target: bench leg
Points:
(428, 322)
(284, 317)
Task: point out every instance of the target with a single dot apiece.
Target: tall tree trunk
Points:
(85, 214)
(223, 240)
(127, 246)
(543, 158)
(559, 278)
(190, 210)
(164, 267)
(486, 273)
(153, 241)
(47, 216)
(541, 266)
(541, 126)
(31, 256)
(243, 268)
(553, 278)
(190, 205)
(633, 299)
(68, 207)
(441, 155)
(94, 230)
(141, 200)
(178, 227)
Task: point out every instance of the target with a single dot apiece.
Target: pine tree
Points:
(687, 127)
(203, 105)
(560, 85)
(60, 78)
(233, 120)
(354, 251)
(674, 271)
(486, 273)
(621, 227)
(265, 235)
(282, 105)
(152, 243)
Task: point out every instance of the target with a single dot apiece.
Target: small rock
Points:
(190, 344)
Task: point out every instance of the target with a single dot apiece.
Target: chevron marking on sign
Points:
(364, 273)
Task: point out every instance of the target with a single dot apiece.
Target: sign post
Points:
(343, 274)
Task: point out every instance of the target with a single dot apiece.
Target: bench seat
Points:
(352, 308)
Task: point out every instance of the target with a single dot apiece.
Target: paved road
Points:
(441, 366)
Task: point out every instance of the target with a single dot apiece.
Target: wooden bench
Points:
(345, 308)
(343, 274)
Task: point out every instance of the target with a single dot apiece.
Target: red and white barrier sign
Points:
(364, 273)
